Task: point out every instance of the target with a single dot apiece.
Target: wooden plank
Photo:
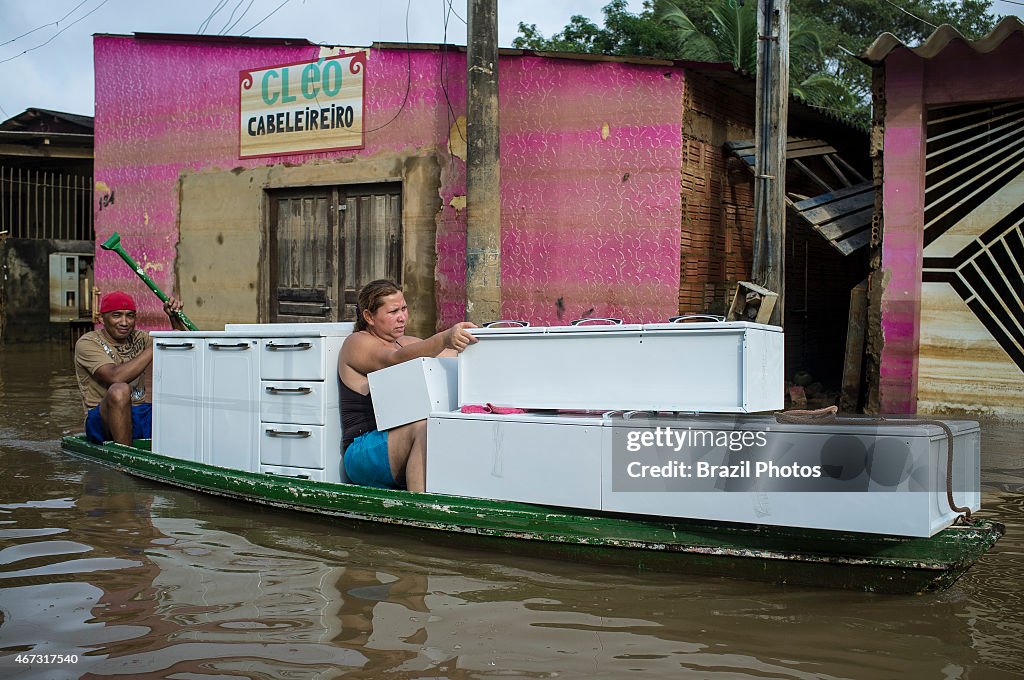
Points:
(303, 309)
(814, 178)
(846, 225)
(837, 209)
(809, 151)
(855, 242)
(850, 169)
(822, 199)
(849, 400)
(317, 295)
(835, 168)
(796, 147)
(738, 147)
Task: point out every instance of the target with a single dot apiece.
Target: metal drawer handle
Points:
(506, 323)
(237, 345)
(299, 346)
(176, 345)
(302, 434)
(277, 474)
(289, 390)
(687, 317)
(596, 321)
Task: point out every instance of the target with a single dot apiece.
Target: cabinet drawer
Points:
(292, 402)
(292, 359)
(300, 473)
(293, 445)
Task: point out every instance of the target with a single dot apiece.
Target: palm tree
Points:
(732, 36)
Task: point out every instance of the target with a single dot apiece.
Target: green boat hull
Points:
(889, 564)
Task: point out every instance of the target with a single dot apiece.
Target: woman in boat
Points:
(396, 458)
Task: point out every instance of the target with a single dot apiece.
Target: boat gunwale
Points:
(977, 538)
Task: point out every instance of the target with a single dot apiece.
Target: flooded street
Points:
(138, 579)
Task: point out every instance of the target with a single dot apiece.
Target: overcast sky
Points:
(51, 66)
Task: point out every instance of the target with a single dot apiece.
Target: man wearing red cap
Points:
(110, 364)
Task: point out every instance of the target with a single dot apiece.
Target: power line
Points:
(229, 24)
(240, 17)
(444, 71)
(4, 61)
(52, 23)
(206, 22)
(267, 17)
(927, 23)
(451, 10)
(408, 80)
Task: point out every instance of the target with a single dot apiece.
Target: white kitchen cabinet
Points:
(254, 397)
(231, 403)
(295, 472)
(412, 390)
(178, 397)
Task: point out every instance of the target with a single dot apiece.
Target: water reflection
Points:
(145, 580)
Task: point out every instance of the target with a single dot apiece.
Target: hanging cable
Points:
(4, 61)
(275, 10)
(927, 23)
(52, 23)
(240, 17)
(206, 22)
(408, 81)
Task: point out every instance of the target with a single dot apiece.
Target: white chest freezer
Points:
(728, 367)
(884, 479)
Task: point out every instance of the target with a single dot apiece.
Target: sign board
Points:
(301, 108)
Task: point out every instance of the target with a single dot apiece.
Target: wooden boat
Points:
(879, 563)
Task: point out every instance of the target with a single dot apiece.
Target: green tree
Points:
(732, 36)
(851, 26)
(623, 33)
(844, 28)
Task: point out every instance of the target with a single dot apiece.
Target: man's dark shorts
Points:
(142, 423)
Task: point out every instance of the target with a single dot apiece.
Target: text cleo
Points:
(276, 83)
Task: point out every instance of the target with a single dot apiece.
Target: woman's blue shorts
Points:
(366, 461)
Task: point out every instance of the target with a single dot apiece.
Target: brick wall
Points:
(717, 194)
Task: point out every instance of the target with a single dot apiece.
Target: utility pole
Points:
(770, 133)
(483, 178)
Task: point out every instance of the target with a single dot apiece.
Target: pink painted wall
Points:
(957, 75)
(903, 198)
(590, 216)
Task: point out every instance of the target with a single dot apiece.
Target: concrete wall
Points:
(591, 157)
(937, 353)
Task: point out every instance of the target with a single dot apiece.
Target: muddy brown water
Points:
(109, 575)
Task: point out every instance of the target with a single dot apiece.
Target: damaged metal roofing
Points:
(943, 36)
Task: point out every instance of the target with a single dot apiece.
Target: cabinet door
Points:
(232, 404)
(177, 397)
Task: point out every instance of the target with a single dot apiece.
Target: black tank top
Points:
(357, 416)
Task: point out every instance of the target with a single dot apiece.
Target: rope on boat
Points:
(827, 415)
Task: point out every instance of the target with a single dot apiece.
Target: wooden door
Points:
(372, 235)
(303, 256)
(326, 243)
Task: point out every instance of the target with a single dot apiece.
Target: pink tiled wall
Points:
(590, 164)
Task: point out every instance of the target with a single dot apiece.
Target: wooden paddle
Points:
(114, 243)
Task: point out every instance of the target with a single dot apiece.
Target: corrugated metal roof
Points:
(27, 118)
(938, 41)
